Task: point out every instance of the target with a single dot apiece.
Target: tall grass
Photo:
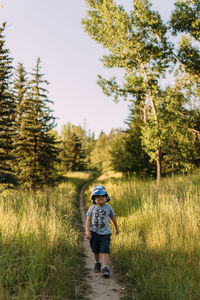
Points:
(157, 252)
(41, 249)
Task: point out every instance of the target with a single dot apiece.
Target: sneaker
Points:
(106, 272)
(97, 267)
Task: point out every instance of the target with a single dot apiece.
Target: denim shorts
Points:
(100, 242)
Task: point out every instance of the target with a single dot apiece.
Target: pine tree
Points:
(19, 91)
(36, 149)
(100, 156)
(7, 109)
(127, 153)
(74, 155)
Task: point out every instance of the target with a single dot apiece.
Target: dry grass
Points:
(41, 243)
(157, 251)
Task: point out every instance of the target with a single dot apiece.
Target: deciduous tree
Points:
(137, 44)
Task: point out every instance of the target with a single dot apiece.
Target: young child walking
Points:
(98, 229)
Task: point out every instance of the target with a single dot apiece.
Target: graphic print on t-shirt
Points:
(99, 218)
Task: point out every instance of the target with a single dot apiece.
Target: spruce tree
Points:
(7, 109)
(100, 157)
(19, 90)
(74, 155)
(19, 144)
(36, 147)
(127, 153)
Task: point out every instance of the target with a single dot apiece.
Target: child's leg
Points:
(105, 267)
(97, 266)
(95, 245)
(97, 256)
(105, 249)
(105, 259)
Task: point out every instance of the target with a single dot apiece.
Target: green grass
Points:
(41, 252)
(157, 252)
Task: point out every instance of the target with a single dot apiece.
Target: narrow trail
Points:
(101, 288)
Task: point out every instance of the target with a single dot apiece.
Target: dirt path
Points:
(101, 288)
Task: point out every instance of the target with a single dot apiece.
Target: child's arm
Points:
(87, 228)
(114, 221)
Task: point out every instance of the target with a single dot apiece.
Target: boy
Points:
(98, 229)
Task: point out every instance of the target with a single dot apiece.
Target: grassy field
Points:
(41, 254)
(157, 252)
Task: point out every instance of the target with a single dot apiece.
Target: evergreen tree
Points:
(36, 149)
(20, 92)
(76, 145)
(100, 155)
(73, 154)
(127, 153)
(7, 108)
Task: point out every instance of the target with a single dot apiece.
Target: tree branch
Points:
(194, 131)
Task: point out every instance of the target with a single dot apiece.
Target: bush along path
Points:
(99, 288)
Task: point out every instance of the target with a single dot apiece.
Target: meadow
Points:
(41, 242)
(156, 254)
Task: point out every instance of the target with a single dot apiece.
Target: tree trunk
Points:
(158, 160)
(173, 169)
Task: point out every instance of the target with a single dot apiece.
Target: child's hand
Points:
(88, 236)
(116, 232)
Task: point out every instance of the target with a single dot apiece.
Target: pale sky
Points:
(52, 30)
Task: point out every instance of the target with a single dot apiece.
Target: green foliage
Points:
(28, 151)
(19, 90)
(157, 250)
(75, 148)
(72, 154)
(138, 44)
(185, 19)
(35, 148)
(7, 108)
(41, 234)
(127, 153)
(100, 156)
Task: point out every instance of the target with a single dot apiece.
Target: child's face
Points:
(100, 199)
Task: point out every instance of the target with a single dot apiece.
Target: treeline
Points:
(123, 151)
(32, 154)
(165, 124)
(163, 134)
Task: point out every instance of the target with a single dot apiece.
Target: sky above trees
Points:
(52, 30)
